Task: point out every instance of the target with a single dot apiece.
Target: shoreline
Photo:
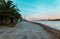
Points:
(55, 32)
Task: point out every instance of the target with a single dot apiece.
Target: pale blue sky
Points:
(38, 8)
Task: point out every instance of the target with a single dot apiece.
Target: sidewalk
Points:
(25, 30)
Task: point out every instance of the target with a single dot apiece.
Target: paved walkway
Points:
(25, 30)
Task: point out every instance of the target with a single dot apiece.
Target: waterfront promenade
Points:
(25, 30)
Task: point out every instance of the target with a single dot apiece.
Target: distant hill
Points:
(54, 20)
(48, 20)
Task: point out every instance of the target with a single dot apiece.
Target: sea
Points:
(52, 24)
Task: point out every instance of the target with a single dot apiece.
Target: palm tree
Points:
(9, 11)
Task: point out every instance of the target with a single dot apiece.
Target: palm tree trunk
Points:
(8, 20)
(12, 20)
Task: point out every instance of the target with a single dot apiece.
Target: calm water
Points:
(52, 24)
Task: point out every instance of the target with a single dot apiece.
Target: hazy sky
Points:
(39, 8)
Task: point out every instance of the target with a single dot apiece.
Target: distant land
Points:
(49, 20)
(54, 20)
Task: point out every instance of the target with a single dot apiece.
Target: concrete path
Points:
(25, 30)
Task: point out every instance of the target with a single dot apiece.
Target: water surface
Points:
(52, 24)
